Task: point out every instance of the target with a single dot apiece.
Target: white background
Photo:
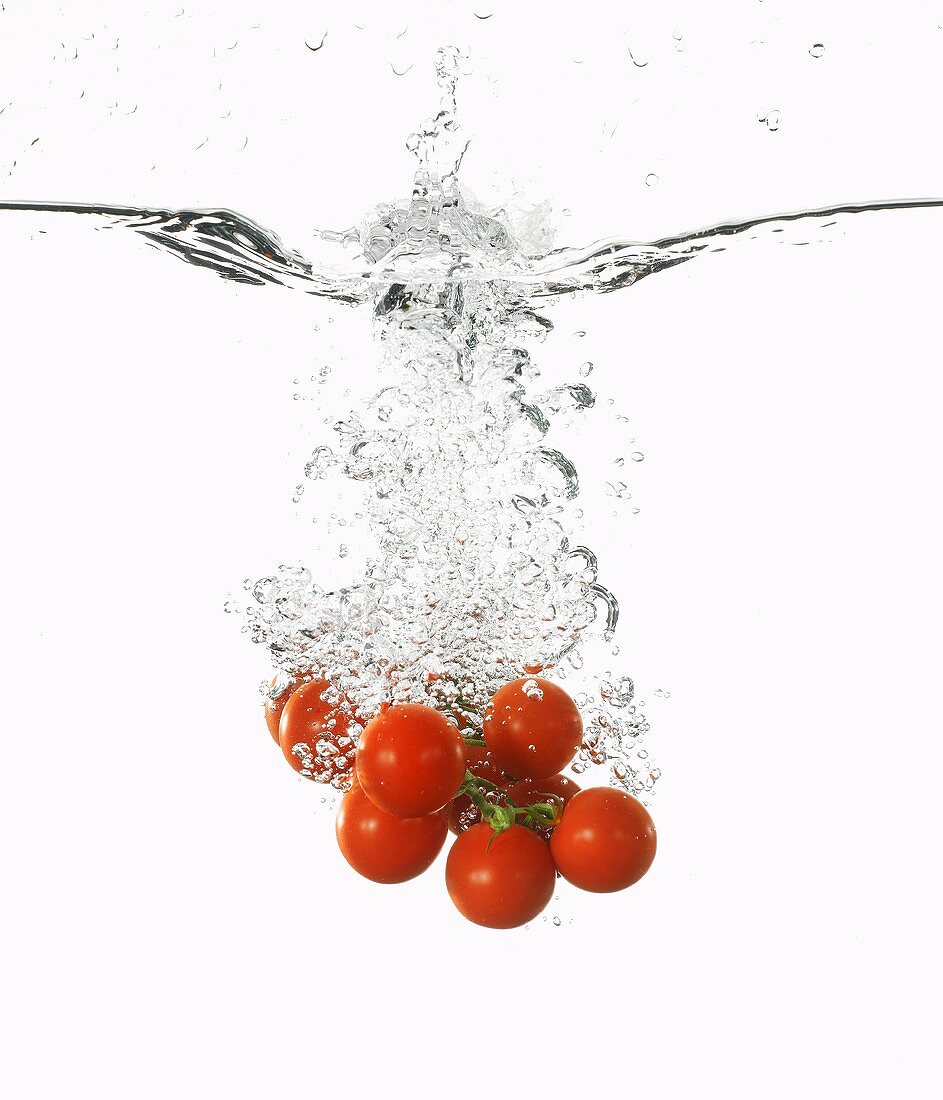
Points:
(177, 920)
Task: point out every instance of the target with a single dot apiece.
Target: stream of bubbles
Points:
(474, 577)
(474, 572)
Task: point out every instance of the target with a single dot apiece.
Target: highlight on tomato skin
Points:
(605, 840)
(500, 880)
(533, 728)
(316, 736)
(384, 848)
(410, 760)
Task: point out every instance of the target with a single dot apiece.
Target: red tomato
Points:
(386, 848)
(462, 812)
(527, 791)
(499, 880)
(604, 841)
(410, 760)
(315, 735)
(480, 762)
(533, 728)
(274, 708)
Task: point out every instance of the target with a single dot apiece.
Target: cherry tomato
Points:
(527, 791)
(480, 761)
(499, 880)
(315, 735)
(385, 848)
(556, 788)
(533, 728)
(410, 760)
(274, 708)
(604, 841)
(462, 812)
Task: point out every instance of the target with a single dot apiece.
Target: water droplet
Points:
(586, 369)
(651, 179)
(557, 922)
(816, 49)
(637, 456)
(342, 550)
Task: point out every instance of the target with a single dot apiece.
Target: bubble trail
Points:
(474, 573)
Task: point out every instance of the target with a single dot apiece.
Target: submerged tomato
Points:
(558, 789)
(315, 734)
(385, 848)
(604, 841)
(499, 880)
(462, 812)
(555, 787)
(410, 760)
(533, 728)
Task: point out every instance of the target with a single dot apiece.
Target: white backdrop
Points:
(177, 920)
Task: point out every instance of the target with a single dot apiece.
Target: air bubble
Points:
(467, 518)
(532, 689)
(771, 119)
(618, 693)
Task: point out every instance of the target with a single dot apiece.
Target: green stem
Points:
(472, 784)
(502, 816)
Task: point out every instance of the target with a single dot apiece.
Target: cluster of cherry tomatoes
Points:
(414, 773)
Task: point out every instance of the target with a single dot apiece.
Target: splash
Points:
(475, 572)
(475, 576)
